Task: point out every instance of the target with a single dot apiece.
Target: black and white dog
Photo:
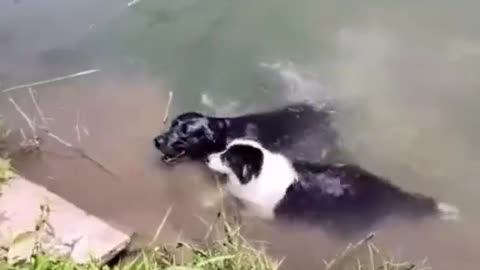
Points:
(297, 131)
(342, 198)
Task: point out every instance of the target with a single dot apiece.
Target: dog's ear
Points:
(243, 172)
(245, 161)
(218, 128)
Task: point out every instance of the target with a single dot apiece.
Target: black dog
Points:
(349, 200)
(298, 131)
(344, 199)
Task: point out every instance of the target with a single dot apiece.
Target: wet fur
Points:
(348, 199)
(343, 198)
(297, 131)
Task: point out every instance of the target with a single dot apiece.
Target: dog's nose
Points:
(159, 141)
(206, 159)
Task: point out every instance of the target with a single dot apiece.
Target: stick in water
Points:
(83, 73)
(37, 107)
(79, 151)
(133, 2)
(24, 115)
(167, 109)
(350, 248)
(77, 128)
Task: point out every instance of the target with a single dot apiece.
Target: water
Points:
(404, 72)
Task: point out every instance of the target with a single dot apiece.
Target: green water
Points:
(216, 46)
(212, 45)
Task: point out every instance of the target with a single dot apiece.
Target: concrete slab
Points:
(71, 231)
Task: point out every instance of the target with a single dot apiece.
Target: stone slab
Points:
(75, 233)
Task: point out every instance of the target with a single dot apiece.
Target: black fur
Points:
(347, 199)
(298, 131)
(246, 161)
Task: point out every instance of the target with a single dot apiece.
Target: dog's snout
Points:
(159, 141)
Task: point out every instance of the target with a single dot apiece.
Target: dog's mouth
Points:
(172, 159)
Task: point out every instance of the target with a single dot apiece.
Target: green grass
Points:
(232, 252)
(228, 257)
(4, 131)
(6, 171)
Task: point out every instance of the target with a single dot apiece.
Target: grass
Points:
(6, 171)
(219, 257)
(4, 132)
(232, 252)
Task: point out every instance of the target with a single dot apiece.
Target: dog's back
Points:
(348, 199)
(299, 131)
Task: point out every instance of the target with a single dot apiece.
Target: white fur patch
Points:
(448, 211)
(262, 193)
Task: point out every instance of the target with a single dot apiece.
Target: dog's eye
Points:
(184, 129)
(177, 144)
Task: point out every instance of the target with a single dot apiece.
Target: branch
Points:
(28, 85)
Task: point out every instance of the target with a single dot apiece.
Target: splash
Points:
(297, 84)
(226, 107)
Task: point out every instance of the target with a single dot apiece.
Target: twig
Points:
(167, 109)
(82, 73)
(24, 115)
(24, 137)
(77, 128)
(359, 265)
(133, 2)
(60, 140)
(37, 107)
(372, 259)
(160, 227)
(85, 130)
(80, 151)
(374, 247)
(350, 248)
(84, 155)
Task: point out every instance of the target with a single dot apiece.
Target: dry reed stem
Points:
(133, 2)
(160, 226)
(77, 128)
(25, 116)
(85, 131)
(348, 250)
(28, 85)
(24, 137)
(79, 151)
(58, 139)
(37, 107)
(372, 259)
(167, 108)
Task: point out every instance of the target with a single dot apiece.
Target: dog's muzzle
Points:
(170, 155)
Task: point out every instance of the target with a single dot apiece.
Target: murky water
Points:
(405, 72)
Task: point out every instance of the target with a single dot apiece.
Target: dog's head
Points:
(241, 161)
(192, 135)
